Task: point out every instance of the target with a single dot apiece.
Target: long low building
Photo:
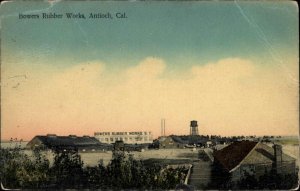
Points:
(71, 142)
(131, 137)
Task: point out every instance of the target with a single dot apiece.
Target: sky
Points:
(232, 66)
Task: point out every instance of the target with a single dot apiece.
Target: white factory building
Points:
(131, 137)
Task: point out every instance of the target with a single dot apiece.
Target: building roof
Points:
(70, 141)
(263, 154)
(232, 155)
(172, 138)
(247, 152)
(220, 146)
(177, 139)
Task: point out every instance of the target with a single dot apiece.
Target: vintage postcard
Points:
(158, 95)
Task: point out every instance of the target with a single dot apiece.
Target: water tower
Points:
(194, 128)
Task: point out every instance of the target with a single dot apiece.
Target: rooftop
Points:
(232, 155)
(247, 152)
(71, 140)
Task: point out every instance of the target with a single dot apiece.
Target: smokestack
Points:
(164, 127)
(161, 127)
(277, 158)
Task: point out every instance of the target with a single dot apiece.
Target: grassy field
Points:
(92, 159)
(290, 147)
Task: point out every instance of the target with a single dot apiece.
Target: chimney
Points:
(277, 158)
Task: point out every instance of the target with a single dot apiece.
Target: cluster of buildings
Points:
(233, 157)
(102, 141)
(105, 140)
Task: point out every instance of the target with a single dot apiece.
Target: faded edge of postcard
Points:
(149, 95)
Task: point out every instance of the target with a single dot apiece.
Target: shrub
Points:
(67, 169)
(18, 170)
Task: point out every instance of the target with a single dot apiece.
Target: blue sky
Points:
(182, 33)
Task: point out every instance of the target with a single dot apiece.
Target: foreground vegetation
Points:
(270, 181)
(18, 170)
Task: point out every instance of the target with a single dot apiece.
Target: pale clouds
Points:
(231, 96)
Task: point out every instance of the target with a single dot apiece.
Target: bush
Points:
(67, 170)
(272, 180)
(18, 170)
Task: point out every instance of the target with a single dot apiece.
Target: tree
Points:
(67, 169)
(18, 170)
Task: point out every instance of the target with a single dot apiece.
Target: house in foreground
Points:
(71, 142)
(248, 158)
